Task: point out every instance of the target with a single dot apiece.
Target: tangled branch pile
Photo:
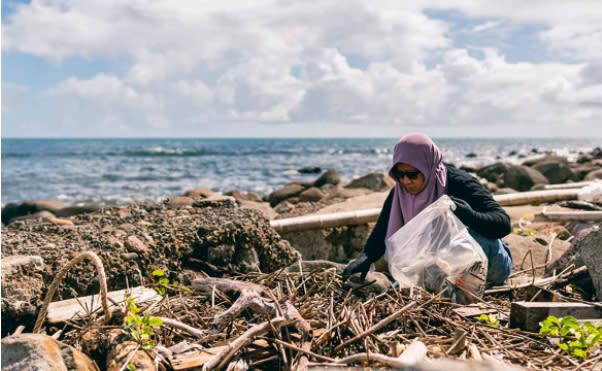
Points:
(301, 320)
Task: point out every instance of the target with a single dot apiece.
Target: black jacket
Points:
(487, 216)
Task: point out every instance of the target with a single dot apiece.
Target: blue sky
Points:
(178, 69)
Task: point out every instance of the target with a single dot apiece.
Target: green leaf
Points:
(158, 273)
(155, 321)
(570, 321)
(580, 353)
(563, 346)
(148, 346)
(131, 367)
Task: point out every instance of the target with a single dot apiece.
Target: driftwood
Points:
(303, 223)
(585, 216)
(567, 185)
(358, 217)
(225, 355)
(312, 313)
(61, 311)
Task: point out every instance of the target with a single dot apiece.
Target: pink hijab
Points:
(419, 151)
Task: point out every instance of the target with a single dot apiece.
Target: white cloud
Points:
(194, 64)
(485, 26)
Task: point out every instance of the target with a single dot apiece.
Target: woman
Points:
(421, 178)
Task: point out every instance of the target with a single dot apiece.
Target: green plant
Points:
(490, 320)
(574, 339)
(523, 231)
(162, 283)
(140, 328)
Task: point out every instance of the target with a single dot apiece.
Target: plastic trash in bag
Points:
(434, 250)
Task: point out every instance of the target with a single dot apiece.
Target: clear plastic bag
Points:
(435, 251)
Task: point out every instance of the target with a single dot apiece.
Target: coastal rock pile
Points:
(210, 234)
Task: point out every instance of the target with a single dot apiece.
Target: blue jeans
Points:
(499, 256)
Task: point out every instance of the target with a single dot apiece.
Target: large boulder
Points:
(547, 158)
(374, 181)
(523, 178)
(556, 171)
(331, 176)
(584, 250)
(288, 191)
(590, 253)
(312, 194)
(596, 174)
(591, 235)
(581, 170)
(42, 352)
(520, 246)
(262, 207)
(493, 172)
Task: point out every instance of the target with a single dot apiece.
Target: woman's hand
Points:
(462, 207)
(361, 264)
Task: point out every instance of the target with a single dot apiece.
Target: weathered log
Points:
(61, 311)
(249, 298)
(584, 216)
(322, 221)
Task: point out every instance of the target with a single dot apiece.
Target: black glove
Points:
(463, 210)
(361, 264)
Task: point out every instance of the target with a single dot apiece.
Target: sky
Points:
(190, 68)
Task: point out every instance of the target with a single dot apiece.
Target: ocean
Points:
(119, 171)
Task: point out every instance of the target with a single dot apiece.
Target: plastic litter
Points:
(435, 251)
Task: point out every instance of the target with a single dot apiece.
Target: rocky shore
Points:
(201, 233)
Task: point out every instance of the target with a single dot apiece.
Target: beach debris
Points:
(528, 315)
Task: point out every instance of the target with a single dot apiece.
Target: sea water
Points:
(118, 171)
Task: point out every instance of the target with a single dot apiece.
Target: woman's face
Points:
(410, 178)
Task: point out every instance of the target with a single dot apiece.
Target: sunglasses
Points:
(400, 174)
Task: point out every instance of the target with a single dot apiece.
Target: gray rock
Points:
(520, 246)
(331, 176)
(13, 210)
(596, 174)
(246, 196)
(494, 171)
(288, 191)
(587, 251)
(548, 158)
(312, 194)
(199, 192)
(262, 207)
(22, 276)
(310, 170)
(522, 178)
(77, 210)
(179, 201)
(374, 181)
(585, 236)
(42, 352)
(556, 171)
(581, 170)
